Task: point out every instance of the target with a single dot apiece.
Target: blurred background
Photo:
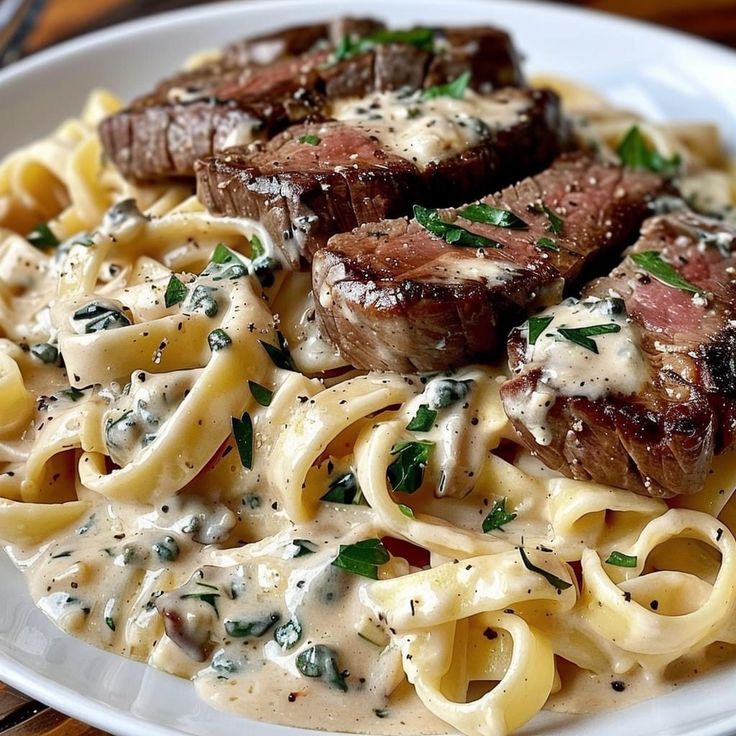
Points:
(29, 25)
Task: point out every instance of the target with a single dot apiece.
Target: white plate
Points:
(660, 73)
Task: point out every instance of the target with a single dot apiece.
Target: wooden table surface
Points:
(61, 19)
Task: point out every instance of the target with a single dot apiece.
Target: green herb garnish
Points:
(203, 301)
(423, 420)
(209, 598)
(651, 261)
(536, 326)
(312, 140)
(279, 355)
(362, 558)
(581, 335)
(321, 661)
(406, 473)
(421, 38)
(498, 517)
(287, 635)
(176, 292)
(42, 237)
(260, 393)
(635, 153)
(498, 216)
(302, 547)
(406, 510)
(344, 489)
(548, 576)
(242, 629)
(548, 244)
(555, 221)
(71, 393)
(256, 248)
(167, 549)
(430, 220)
(45, 352)
(243, 433)
(448, 391)
(218, 340)
(621, 560)
(100, 318)
(455, 89)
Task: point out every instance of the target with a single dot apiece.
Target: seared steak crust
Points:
(238, 98)
(661, 440)
(392, 296)
(306, 193)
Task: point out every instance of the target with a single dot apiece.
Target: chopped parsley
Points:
(321, 661)
(243, 433)
(349, 46)
(280, 355)
(406, 472)
(448, 391)
(312, 140)
(536, 326)
(555, 221)
(100, 317)
(581, 335)
(344, 489)
(619, 559)
(455, 89)
(260, 393)
(205, 597)
(362, 558)
(430, 220)
(202, 300)
(548, 576)
(42, 237)
(548, 244)
(498, 517)
(242, 629)
(167, 549)
(498, 216)
(651, 261)
(635, 153)
(176, 292)
(302, 547)
(287, 635)
(406, 510)
(218, 340)
(45, 352)
(423, 420)
(256, 248)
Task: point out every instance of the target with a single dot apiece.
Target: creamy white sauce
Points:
(568, 368)
(425, 131)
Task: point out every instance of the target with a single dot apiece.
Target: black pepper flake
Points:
(618, 686)
(719, 534)
(490, 634)
(627, 596)
(292, 697)
(654, 605)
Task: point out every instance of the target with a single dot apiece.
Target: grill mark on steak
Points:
(306, 193)
(661, 440)
(198, 113)
(392, 296)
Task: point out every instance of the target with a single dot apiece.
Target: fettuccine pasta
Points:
(191, 476)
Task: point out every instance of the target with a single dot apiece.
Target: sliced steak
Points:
(316, 180)
(649, 409)
(296, 40)
(198, 113)
(394, 296)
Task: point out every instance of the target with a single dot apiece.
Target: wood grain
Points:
(21, 716)
(62, 19)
